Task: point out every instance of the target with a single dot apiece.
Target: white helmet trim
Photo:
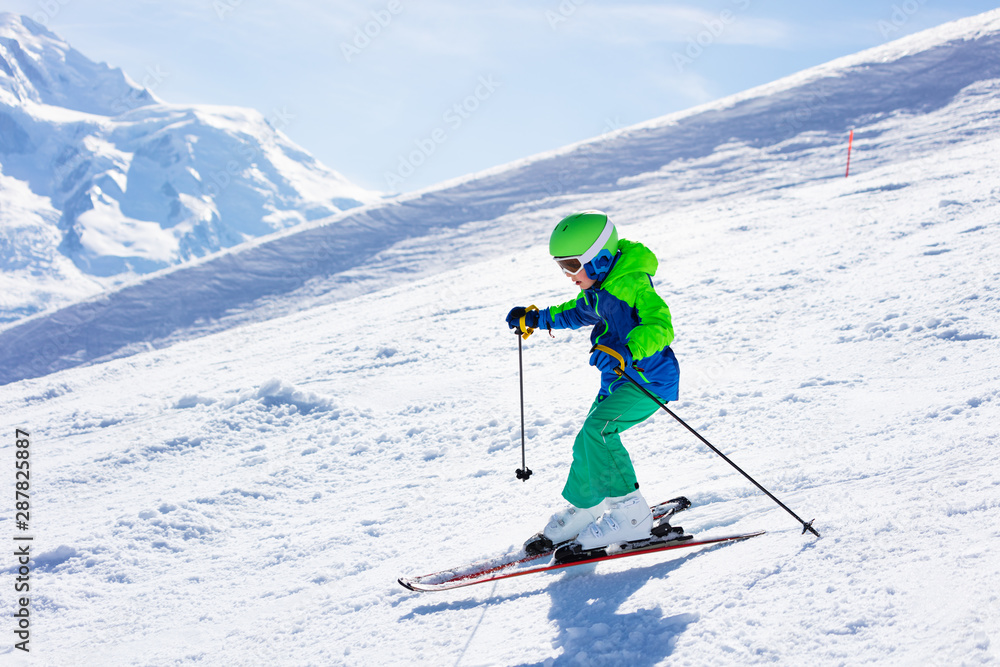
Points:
(593, 250)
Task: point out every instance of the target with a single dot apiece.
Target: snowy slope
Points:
(139, 184)
(795, 130)
(249, 496)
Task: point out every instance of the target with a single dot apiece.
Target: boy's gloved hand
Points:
(515, 315)
(607, 362)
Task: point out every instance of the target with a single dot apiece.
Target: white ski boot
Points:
(628, 519)
(564, 526)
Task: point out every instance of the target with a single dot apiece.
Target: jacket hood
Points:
(635, 258)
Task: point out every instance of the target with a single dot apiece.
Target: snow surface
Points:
(248, 492)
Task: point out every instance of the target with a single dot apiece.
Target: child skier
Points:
(630, 319)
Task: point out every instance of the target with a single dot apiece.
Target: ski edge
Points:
(415, 585)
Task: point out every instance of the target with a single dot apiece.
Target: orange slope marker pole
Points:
(850, 141)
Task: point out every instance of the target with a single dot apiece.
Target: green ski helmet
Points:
(586, 239)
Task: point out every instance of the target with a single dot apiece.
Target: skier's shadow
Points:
(585, 607)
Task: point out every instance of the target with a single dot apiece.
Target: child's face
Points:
(581, 279)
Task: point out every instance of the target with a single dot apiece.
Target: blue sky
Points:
(398, 94)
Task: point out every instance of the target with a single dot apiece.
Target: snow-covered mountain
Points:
(40, 68)
(292, 424)
(126, 184)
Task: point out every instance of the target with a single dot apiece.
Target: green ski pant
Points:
(601, 467)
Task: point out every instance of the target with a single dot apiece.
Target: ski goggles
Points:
(572, 265)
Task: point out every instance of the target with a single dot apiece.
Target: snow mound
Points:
(276, 392)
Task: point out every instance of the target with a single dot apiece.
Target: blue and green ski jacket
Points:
(625, 311)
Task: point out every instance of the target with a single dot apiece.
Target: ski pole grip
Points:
(620, 369)
(525, 329)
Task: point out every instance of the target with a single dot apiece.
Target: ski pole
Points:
(620, 371)
(523, 331)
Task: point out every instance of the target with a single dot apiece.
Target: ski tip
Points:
(406, 584)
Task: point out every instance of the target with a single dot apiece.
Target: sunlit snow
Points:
(236, 459)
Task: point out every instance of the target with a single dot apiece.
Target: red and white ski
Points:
(517, 564)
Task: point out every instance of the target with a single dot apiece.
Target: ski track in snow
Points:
(250, 496)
